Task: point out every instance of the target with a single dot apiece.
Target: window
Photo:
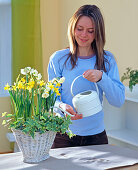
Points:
(5, 45)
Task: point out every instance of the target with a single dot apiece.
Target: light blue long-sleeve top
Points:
(109, 84)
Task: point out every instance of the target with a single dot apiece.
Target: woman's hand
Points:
(93, 75)
(69, 109)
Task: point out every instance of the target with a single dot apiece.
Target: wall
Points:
(50, 22)
(4, 107)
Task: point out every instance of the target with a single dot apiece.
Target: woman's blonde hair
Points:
(94, 13)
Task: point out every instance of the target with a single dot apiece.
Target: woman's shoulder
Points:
(59, 54)
(109, 56)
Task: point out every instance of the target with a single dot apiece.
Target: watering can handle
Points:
(76, 79)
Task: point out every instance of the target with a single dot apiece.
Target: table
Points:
(95, 157)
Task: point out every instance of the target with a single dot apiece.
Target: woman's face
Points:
(84, 32)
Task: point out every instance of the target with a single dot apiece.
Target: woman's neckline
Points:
(86, 57)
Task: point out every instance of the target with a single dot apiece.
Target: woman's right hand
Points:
(69, 109)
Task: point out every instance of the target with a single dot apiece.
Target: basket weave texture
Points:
(37, 149)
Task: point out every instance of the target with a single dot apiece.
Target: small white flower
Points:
(23, 71)
(45, 95)
(32, 71)
(39, 76)
(35, 73)
(47, 88)
(54, 80)
(62, 79)
(26, 70)
(46, 91)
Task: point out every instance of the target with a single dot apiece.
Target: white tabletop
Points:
(94, 157)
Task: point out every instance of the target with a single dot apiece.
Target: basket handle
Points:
(74, 82)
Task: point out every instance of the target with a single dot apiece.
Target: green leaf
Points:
(26, 130)
(32, 133)
(9, 115)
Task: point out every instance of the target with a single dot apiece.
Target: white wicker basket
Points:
(37, 149)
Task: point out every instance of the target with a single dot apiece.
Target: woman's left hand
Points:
(93, 75)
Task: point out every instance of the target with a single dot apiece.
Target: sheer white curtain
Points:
(5, 45)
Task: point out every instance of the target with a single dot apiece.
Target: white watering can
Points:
(86, 103)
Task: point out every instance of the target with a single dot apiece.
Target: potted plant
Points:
(33, 120)
(132, 76)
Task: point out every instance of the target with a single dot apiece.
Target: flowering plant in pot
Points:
(33, 119)
(132, 76)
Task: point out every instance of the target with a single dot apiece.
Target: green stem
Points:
(33, 105)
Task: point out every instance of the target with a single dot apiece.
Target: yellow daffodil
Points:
(42, 83)
(50, 85)
(57, 91)
(14, 87)
(58, 94)
(23, 80)
(58, 84)
(30, 84)
(7, 87)
(20, 85)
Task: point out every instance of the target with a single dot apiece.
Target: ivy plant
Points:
(132, 76)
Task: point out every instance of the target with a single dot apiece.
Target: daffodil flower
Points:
(39, 77)
(23, 72)
(58, 94)
(61, 80)
(14, 87)
(47, 88)
(26, 70)
(23, 80)
(42, 83)
(57, 91)
(45, 95)
(54, 80)
(58, 84)
(20, 85)
(50, 85)
(7, 87)
(35, 73)
(30, 84)
(32, 71)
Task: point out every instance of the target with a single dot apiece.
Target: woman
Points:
(86, 56)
